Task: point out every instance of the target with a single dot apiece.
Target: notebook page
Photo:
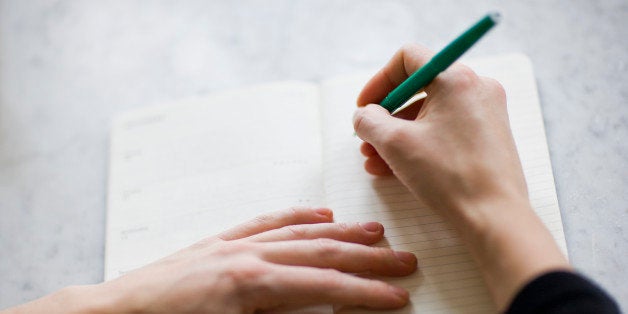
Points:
(184, 171)
(448, 280)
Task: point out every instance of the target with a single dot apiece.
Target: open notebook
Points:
(188, 170)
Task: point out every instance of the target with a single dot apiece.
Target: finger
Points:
(365, 233)
(275, 220)
(374, 124)
(301, 286)
(368, 150)
(406, 61)
(377, 166)
(343, 256)
(374, 164)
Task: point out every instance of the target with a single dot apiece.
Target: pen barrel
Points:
(462, 43)
(438, 63)
(409, 87)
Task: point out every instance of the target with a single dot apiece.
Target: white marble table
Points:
(66, 67)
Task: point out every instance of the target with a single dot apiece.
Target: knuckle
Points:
(410, 51)
(296, 231)
(243, 273)
(496, 88)
(295, 211)
(263, 219)
(332, 275)
(328, 248)
(247, 278)
(495, 94)
(409, 48)
(343, 226)
(462, 77)
(358, 121)
(383, 254)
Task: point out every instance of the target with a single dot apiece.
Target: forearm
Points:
(74, 299)
(510, 245)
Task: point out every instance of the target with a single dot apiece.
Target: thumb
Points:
(373, 122)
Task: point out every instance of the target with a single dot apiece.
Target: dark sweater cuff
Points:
(562, 292)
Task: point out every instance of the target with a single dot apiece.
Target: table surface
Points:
(66, 67)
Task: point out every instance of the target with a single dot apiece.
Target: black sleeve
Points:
(562, 292)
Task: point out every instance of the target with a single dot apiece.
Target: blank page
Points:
(182, 172)
(448, 280)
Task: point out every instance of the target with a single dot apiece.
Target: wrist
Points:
(510, 244)
(110, 297)
(100, 298)
(477, 219)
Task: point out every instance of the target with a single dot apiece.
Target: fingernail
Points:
(406, 258)
(371, 226)
(324, 212)
(400, 292)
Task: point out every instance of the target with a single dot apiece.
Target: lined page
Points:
(184, 171)
(448, 280)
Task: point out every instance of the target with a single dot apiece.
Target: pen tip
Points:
(495, 16)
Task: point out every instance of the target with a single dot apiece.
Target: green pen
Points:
(438, 63)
